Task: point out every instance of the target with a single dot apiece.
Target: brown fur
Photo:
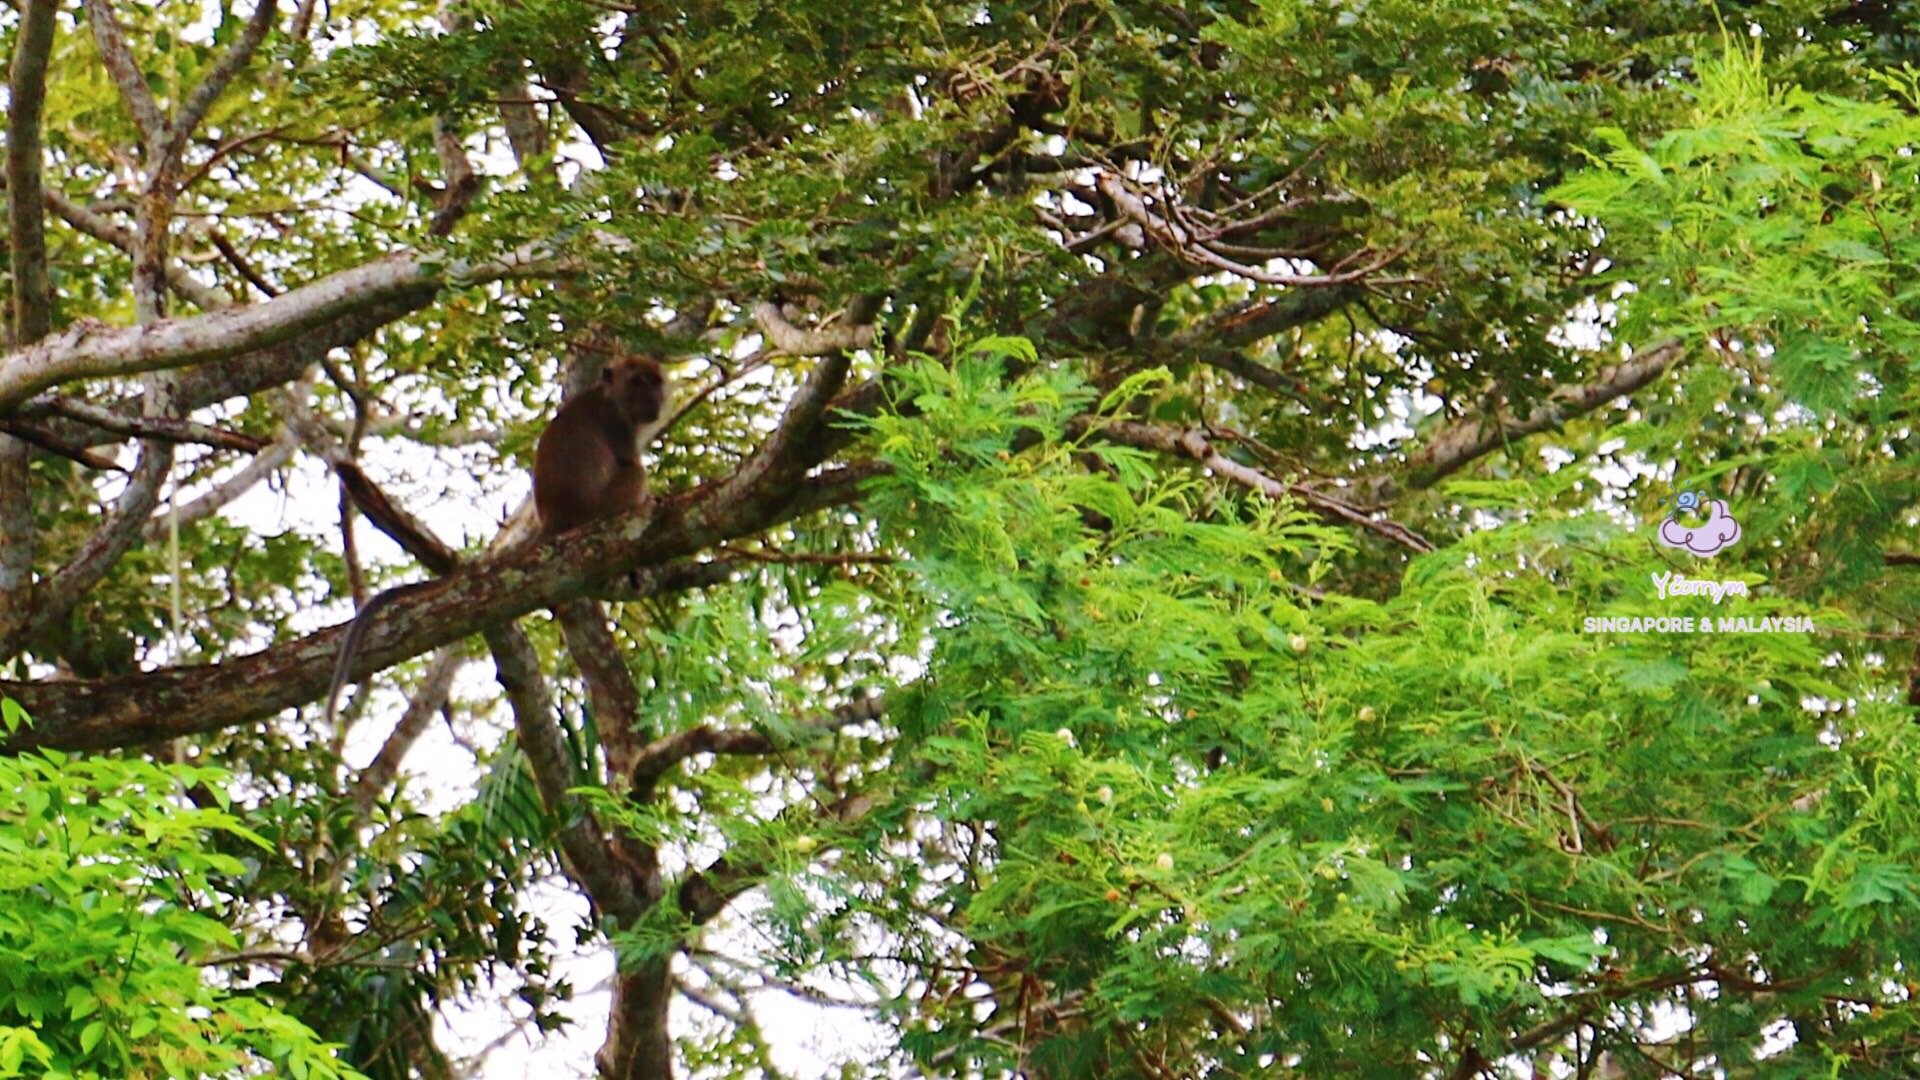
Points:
(587, 465)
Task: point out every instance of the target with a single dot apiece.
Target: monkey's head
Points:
(637, 388)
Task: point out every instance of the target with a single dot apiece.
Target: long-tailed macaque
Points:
(586, 467)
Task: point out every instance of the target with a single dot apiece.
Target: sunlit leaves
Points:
(107, 912)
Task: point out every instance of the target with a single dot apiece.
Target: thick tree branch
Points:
(1462, 442)
(16, 542)
(95, 714)
(32, 314)
(638, 1044)
(91, 349)
(290, 360)
(589, 857)
(261, 370)
(852, 332)
(615, 702)
(395, 520)
(611, 692)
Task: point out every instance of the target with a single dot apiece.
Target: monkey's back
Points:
(573, 468)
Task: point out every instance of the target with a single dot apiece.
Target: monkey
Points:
(586, 467)
(587, 464)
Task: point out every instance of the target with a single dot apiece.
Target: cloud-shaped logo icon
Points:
(1706, 539)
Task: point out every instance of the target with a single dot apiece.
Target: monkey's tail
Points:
(350, 645)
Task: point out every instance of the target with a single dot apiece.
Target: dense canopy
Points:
(1193, 538)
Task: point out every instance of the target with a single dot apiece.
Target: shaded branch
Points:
(1459, 443)
(236, 259)
(462, 182)
(520, 116)
(583, 844)
(394, 520)
(1195, 443)
(27, 90)
(16, 542)
(1256, 320)
(704, 895)
(1193, 247)
(52, 443)
(657, 757)
(202, 97)
(160, 428)
(389, 517)
(126, 75)
(302, 20)
(671, 578)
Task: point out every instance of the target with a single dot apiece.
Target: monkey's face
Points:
(637, 387)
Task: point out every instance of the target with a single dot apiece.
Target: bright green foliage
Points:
(1781, 223)
(106, 874)
(1779, 219)
(1168, 785)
